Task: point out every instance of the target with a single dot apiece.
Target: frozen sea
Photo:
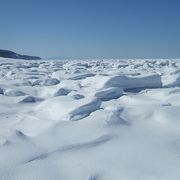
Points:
(106, 119)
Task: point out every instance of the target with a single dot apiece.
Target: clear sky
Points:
(91, 28)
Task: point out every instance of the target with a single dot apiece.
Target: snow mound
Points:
(175, 83)
(116, 119)
(172, 81)
(174, 91)
(59, 108)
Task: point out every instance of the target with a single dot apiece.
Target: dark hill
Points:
(11, 54)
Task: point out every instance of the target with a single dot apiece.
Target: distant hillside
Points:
(11, 54)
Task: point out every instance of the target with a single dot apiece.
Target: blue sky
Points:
(91, 28)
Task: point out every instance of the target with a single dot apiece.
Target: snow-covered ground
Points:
(90, 120)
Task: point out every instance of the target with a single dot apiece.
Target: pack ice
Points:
(90, 119)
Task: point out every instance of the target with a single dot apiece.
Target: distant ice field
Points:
(115, 119)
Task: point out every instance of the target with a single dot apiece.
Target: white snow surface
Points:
(90, 119)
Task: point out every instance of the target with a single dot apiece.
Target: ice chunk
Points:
(82, 76)
(78, 96)
(85, 110)
(30, 99)
(1, 91)
(62, 92)
(109, 93)
(51, 82)
(125, 82)
(14, 93)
